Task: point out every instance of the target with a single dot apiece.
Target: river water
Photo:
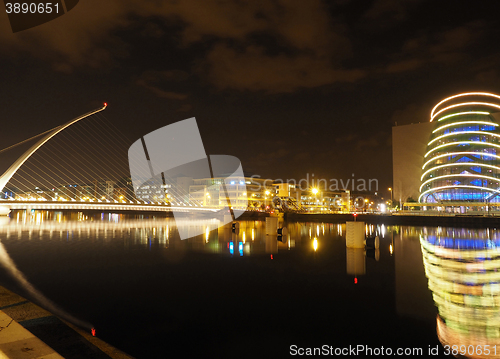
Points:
(239, 294)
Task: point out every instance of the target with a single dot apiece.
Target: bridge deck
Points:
(107, 206)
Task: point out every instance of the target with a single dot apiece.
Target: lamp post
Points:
(315, 191)
(390, 190)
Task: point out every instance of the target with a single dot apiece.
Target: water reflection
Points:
(356, 261)
(248, 239)
(133, 264)
(462, 267)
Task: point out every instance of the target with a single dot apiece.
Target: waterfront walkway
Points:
(28, 331)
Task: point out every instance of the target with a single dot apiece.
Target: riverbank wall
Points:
(467, 221)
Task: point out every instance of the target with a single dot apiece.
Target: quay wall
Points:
(400, 219)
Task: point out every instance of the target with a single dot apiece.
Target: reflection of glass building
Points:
(462, 160)
(462, 269)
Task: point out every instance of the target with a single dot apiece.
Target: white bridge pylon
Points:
(11, 171)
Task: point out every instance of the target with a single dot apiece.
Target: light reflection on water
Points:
(460, 264)
(462, 270)
(251, 234)
(250, 238)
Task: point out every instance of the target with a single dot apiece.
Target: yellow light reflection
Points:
(464, 286)
(207, 232)
(315, 244)
(390, 248)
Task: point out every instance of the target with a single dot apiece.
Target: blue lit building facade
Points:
(462, 160)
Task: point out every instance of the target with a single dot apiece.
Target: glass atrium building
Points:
(462, 160)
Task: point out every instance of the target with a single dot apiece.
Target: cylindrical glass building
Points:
(462, 161)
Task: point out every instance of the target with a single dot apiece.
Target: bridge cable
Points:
(117, 172)
(178, 192)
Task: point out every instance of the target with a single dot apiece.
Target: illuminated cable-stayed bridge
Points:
(69, 179)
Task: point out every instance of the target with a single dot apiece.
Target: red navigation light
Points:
(271, 256)
(93, 332)
(105, 104)
(355, 280)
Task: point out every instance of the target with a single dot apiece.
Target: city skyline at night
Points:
(315, 84)
(249, 178)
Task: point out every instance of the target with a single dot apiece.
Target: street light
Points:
(390, 189)
(315, 191)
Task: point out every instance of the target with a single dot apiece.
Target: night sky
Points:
(289, 87)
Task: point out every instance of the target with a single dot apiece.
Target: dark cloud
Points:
(163, 84)
(487, 70)
(171, 95)
(162, 93)
(185, 107)
(253, 70)
(153, 30)
(80, 38)
(404, 65)
(269, 157)
(442, 47)
(313, 46)
(397, 10)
